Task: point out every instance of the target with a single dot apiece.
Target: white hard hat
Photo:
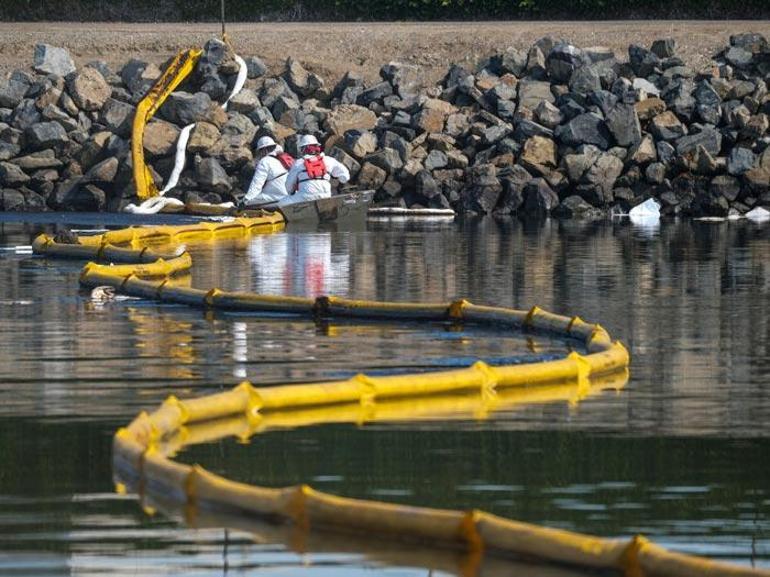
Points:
(308, 140)
(265, 142)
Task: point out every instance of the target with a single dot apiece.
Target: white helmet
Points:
(265, 142)
(308, 140)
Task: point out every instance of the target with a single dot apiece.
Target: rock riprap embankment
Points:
(550, 130)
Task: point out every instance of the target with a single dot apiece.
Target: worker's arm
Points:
(293, 176)
(337, 169)
(257, 182)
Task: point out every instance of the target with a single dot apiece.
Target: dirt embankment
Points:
(330, 49)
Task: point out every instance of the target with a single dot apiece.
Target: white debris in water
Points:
(758, 214)
(648, 209)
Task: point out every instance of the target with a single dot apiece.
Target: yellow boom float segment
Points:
(145, 447)
(177, 71)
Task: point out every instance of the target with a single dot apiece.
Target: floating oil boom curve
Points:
(141, 451)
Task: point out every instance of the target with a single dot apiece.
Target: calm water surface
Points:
(680, 453)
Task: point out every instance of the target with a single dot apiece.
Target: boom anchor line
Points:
(143, 451)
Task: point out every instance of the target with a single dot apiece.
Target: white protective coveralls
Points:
(269, 181)
(312, 189)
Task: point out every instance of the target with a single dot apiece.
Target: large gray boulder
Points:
(49, 59)
(586, 128)
(45, 135)
(539, 199)
(407, 79)
(183, 108)
(11, 175)
(300, 80)
(483, 189)
(211, 176)
(117, 117)
(623, 122)
(12, 89)
(710, 139)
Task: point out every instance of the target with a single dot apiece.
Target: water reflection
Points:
(680, 453)
(299, 265)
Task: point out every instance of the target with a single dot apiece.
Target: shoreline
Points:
(550, 128)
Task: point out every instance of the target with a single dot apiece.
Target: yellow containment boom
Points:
(177, 71)
(143, 451)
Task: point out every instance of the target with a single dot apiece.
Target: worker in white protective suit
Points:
(269, 181)
(310, 176)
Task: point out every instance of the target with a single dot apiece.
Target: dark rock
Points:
(104, 172)
(483, 189)
(45, 135)
(709, 138)
(513, 180)
(751, 41)
(406, 79)
(436, 159)
(511, 61)
(37, 160)
(353, 166)
(623, 123)
(576, 207)
(493, 134)
(526, 129)
(371, 177)
(539, 199)
(667, 126)
(664, 48)
(11, 200)
(211, 176)
(584, 129)
(739, 57)
(600, 179)
(300, 80)
(13, 89)
(726, 186)
(740, 161)
(585, 80)
(708, 103)
(255, 67)
(387, 159)
(536, 65)
(604, 100)
(562, 61)
(655, 173)
(118, 117)
(375, 93)
(678, 97)
(548, 115)
(273, 89)
(426, 186)
(11, 175)
(183, 108)
(643, 62)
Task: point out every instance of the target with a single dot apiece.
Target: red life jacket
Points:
(315, 167)
(286, 159)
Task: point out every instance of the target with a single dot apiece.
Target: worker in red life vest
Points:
(310, 177)
(269, 181)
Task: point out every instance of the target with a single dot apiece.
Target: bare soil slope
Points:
(330, 49)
